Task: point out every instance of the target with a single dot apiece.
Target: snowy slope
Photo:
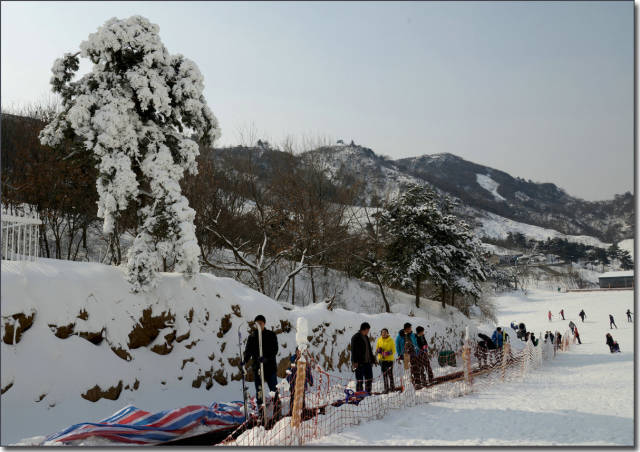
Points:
(584, 397)
(490, 185)
(495, 226)
(627, 245)
(190, 361)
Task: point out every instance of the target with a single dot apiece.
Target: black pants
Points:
(364, 374)
(579, 341)
(269, 379)
(387, 375)
(614, 324)
(562, 316)
(582, 318)
(629, 318)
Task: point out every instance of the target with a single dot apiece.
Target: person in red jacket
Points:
(549, 316)
(562, 313)
(576, 334)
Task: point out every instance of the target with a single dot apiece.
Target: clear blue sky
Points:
(542, 90)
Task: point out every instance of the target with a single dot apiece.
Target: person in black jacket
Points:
(362, 358)
(269, 353)
(423, 356)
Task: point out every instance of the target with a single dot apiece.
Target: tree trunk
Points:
(444, 296)
(293, 290)
(384, 297)
(313, 285)
(417, 293)
(453, 298)
(43, 237)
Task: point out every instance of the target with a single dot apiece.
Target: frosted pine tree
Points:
(426, 241)
(137, 111)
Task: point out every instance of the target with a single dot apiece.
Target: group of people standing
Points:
(407, 344)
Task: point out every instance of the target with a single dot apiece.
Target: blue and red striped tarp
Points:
(134, 426)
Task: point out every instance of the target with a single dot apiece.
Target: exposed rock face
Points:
(13, 333)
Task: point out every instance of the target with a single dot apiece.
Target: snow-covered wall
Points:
(77, 345)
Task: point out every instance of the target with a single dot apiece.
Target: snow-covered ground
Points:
(584, 397)
(490, 185)
(191, 359)
(497, 227)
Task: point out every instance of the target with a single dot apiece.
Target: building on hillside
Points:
(616, 280)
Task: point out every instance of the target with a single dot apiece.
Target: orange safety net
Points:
(335, 402)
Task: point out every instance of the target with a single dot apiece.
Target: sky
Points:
(541, 90)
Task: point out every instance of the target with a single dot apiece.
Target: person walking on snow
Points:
(612, 322)
(269, 353)
(362, 358)
(629, 316)
(386, 349)
(576, 335)
(572, 325)
(550, 316)
(582, 315)
(562, 313)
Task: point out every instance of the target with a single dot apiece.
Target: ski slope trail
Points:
(583, 397)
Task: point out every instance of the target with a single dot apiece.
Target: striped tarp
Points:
(134, 426)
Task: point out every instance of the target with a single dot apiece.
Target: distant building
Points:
(614, 280)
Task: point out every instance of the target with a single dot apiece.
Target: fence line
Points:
(332, 404)
(20, 233)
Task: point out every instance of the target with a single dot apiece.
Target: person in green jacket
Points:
(386, 349)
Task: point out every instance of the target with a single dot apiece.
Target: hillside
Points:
(483, 191)
(78, 346)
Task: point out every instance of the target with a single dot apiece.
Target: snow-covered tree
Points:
(138, 111)
(426, 241)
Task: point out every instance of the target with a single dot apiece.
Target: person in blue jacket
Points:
(401, 339)
(497, 337)
(407, 342)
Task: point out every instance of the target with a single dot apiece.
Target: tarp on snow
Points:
(134, 426)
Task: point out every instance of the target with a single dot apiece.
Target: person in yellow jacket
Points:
(386, 349)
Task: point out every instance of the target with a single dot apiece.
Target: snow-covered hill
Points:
(78, 346)
(584, 397)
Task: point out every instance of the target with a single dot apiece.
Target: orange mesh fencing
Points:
(332, 403)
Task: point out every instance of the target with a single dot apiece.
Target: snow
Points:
(496, 226)
(41, 364)
(490, 185)
(618, 274)
(583, 397)
(627, 245)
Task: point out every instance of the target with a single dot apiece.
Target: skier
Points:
(612, 322)
(550, 316)
(629, 316)
(362, 358)
(268, 361)
(572, 325)
(562, 313)
(406, 343)
(386, 349)
(576, 335)
(497, 337)
(423, 355)
(582, 315)
(613, 345)
(291, 378)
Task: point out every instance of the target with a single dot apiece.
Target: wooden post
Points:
(301, 374)
(466, 359)
(505, 353)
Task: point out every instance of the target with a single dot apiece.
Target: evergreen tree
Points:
(426, 241)
(135, 111)
(626, 262)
